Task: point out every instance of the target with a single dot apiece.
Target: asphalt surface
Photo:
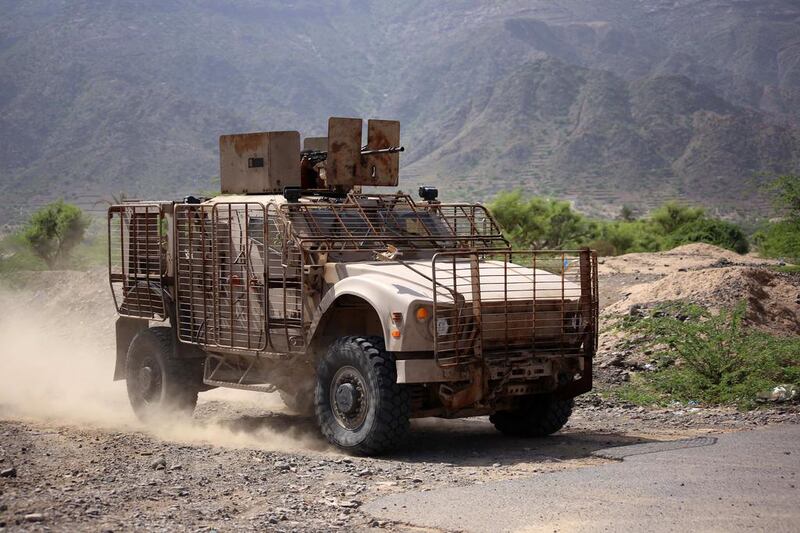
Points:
(736, 482)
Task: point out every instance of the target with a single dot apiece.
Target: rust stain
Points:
(245, 143)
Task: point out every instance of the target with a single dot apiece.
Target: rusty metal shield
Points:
(343, 165)
(259, 163)
(382, 169)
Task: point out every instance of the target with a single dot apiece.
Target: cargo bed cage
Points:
(513, 307)
(239, 284)
(137, 243)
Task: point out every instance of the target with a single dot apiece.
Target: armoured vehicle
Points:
(364, 309)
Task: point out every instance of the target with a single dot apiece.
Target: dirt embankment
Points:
(773, 299)
(701, 274)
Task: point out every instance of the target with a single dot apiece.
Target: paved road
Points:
(740, 481)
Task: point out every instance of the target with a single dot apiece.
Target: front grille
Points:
(511, 304)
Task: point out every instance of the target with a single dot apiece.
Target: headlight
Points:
(574, 322)
(442, 326)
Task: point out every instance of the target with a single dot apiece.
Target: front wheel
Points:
(158, 383)
(358, 404)
(537, 416)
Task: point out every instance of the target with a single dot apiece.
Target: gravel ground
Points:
(63, 477)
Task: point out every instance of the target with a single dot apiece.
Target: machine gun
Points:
(312, 157)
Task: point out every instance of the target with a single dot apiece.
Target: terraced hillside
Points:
(594, 100)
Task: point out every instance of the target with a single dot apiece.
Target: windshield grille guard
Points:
(376, 222)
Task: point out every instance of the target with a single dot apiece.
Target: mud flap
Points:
(126, 329)
(578, 386)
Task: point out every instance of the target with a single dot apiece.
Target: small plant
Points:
(538, 222)
(712, 358)
(54, 231)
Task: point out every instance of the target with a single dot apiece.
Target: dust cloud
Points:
(56, 366)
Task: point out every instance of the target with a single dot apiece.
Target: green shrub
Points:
(779, 239)
(786, 190)
(537, 222)
(628, 236)
(712, 231)
(672, 215)
(546, 223)
(711, 358)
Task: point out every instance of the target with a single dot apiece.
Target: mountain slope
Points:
(587, 98)
(590, 135)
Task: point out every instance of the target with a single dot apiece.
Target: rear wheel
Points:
(538, 416)
(159, 383)
(359, 405)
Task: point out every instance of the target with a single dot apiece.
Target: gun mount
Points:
(268, 162)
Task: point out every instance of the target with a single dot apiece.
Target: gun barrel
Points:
(316, 156)
(390, 150)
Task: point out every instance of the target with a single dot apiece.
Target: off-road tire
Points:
(387, 406)
(538, 416)
(174, 383)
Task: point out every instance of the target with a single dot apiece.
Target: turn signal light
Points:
(422, 314)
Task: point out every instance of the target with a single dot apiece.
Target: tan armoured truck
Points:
(364, 309)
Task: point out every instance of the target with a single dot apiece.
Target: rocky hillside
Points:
(582, 98)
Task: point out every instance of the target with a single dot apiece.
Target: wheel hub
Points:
(346, 398)
(145, 378)
(349, 398)
(148, 381)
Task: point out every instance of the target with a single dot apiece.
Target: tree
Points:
(627, 213)
(672, 215)
(537, 222)
(712, 231)
(787, 195)
(55, 230)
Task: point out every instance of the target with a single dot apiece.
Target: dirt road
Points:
(239, 467)
(741, 481)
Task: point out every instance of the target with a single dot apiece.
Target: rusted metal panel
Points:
(382, 169)
(259, 163)
(347, 165)
(343, 164)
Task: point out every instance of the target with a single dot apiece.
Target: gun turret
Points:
(268, 162)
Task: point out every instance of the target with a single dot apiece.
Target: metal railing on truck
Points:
(238, 278)
(513, 305)
(137, 240)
